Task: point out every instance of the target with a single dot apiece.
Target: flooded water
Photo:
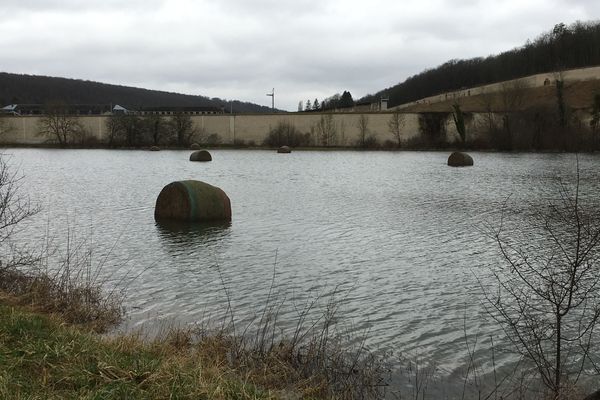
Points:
(397, 235)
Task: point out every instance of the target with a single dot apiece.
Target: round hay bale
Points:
(284, 149)
(192, 201)
(458, 159)
(200, 155)
(154, 148)
(195, 146)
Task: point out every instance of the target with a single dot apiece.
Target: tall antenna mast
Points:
(272, 94)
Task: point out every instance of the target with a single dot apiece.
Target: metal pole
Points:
(272, 94)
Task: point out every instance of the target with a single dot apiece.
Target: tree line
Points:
(337, 101)
(564, 47)
(124, 130)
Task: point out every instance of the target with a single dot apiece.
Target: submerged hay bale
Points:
(195, 146)
(458, 159)
(284, 149)
(192, 201)
(154, 148)
(200, 155)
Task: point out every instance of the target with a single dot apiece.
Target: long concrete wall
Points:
(249, 128)
(234, 128)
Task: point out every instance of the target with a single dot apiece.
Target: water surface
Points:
(398, 235)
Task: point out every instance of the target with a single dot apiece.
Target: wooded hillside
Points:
(564, 47)
(34, 89)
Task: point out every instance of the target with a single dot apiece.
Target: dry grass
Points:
(42, 357)
(578, 95)
(64, 281)
(46, 354)
(314, 360)
(77, 302)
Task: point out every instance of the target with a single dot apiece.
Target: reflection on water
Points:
(181, 232)
(191, 237)
(397, 232)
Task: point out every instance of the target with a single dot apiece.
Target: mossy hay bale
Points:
(192, 201)
(154, 148)
(195, 146)
(200, 155)
(459, 159)
(284, 149)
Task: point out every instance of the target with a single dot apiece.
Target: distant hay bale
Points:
(195, 146)
(200, 155)
(458, 159)
(192, 201)
(284, 149)
(154, 148)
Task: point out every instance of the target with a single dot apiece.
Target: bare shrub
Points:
(317, 358)
(59, 125)
(547, 295)
(395, 125)
(433, 128)
(71, 288)
(285, 133)
(326, 130)
(182, 129)
(14, 206)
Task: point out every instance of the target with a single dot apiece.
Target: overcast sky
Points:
(240, 49)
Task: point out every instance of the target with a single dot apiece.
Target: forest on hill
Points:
(35, 89)
(563, 47)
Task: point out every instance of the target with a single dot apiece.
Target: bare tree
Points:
(547, 296)
(326, 130)
(395, 126)
(131, 128)
(182, 128)
(126, 129)
(58, 124)
(363, 130)
(285, 133)
(156, 127)
(113, 130)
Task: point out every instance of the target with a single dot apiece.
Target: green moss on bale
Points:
(200, 155)
(192, 201)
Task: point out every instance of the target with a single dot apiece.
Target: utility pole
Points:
(272, 94)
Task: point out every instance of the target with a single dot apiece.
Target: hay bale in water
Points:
(458, 159)
(192, 201)
(200, 155)
(195, 146)
(284, 149)
(154, 148)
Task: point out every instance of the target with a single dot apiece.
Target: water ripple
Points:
(396, 237)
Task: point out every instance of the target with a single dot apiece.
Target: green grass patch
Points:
(41, 357)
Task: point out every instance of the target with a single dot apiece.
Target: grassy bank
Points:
(41, 356)
(54, 308)
(51, 347)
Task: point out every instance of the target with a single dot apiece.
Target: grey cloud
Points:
(240, 49)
